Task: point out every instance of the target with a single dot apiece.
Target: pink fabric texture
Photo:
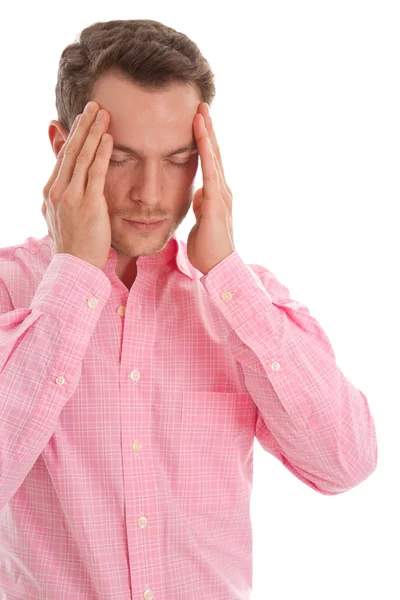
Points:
(128, 418)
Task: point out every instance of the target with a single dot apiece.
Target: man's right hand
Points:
(74, 206)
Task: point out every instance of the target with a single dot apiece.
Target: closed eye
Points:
(120, 163)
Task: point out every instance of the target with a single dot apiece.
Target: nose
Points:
(149, 183)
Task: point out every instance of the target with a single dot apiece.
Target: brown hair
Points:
(146, 52)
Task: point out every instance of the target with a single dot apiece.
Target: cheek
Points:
(186, 179)
(191, 171)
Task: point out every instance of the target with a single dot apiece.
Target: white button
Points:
(60, 380)
(92, 302)
(275, 365)
(142, 522)
(227, 296)
(136, 447)
(148, 595)
(135, 375)
(121, 310)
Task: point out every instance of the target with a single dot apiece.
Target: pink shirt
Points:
(127, 421)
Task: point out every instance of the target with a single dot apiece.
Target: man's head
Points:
(151, 79)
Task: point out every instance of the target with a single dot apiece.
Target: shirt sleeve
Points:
(41, 352)
(309, 416)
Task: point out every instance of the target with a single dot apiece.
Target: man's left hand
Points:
(211, 239)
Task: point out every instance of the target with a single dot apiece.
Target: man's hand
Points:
(74, 206)
(211, 239)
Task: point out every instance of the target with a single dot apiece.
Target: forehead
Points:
(143, 113)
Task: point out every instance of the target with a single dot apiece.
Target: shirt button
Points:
(92, 302)
(60, 380)
(227, 296)
(135, 375)
(148, 595)
(136, 447)
(275, 365)
(142, 522)
(121, 310)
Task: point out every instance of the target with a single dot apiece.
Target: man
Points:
(136, 369)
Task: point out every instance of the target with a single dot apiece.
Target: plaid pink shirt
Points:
(127, 421)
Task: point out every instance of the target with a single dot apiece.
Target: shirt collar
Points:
(174, 253)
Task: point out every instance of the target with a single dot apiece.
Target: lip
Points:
(142, 222)
(144, 225)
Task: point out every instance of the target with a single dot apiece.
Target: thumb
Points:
(197, 200)
(44, 214)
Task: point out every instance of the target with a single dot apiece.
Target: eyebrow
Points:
(190, 146)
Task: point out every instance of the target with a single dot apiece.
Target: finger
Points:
(211, 133)
(60, 156)
(57, 166)
(208, 166)
(98, 171)
(87, 154)
(224, 187)
(72, 148)
(216, 149)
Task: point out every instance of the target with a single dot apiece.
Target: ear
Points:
(57, 136)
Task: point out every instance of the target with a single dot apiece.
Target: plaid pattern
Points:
(128, 417)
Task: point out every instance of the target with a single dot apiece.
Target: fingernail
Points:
(89, 109)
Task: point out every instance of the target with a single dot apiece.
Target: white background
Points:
(307, 118)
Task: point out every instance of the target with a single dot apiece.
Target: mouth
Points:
(144, 225)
